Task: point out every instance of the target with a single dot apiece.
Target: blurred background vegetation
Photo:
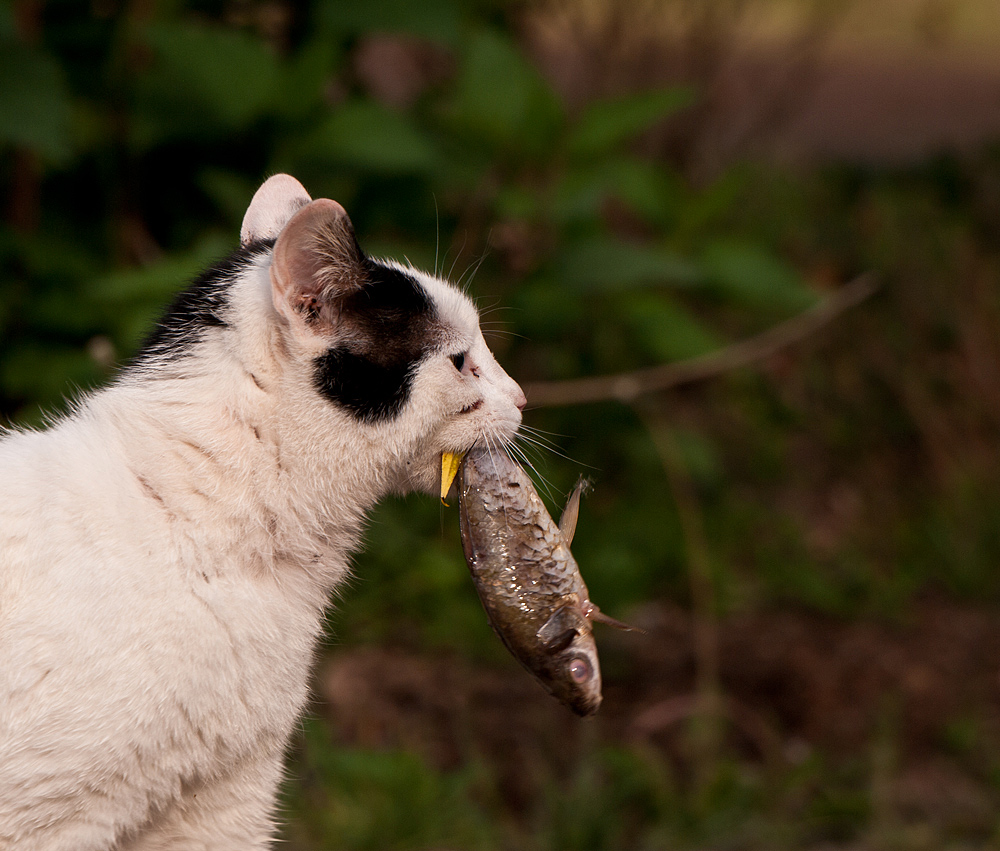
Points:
(810, 541)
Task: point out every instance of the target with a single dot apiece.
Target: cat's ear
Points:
(277, 200)
(316, 262)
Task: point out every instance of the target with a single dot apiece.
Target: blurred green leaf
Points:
(230, 190)
(606, 124)
(664, 329)
(46, 371)
(144, 292)
(544, 311)
(518, 202)
(609, 265)
(440, 20)
(703, 211)
(303, 78)
(749, 274)
(371, 137)
(699, 456)
(646, 187)
(161, 279)
(502, 100)
(34, 101)
(52, 255)
(204, 79)
(7, 28)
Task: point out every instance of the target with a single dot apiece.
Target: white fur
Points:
(166, 554)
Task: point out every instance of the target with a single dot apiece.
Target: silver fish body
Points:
(527, 579)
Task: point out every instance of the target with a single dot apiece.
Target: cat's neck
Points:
(219, 452)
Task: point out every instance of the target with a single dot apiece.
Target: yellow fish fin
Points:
(449, 469)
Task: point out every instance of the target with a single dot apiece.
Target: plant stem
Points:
(706, 718)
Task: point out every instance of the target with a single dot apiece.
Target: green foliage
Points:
(745, 274)
(368, 138)
(438, 20)
(605, 125)
(501, 103)
(35, 106)
(202, 81)
(608, 264)
(367, 799)
(613, 799)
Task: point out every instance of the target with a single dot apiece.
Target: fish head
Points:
(576, 676)
(568, 667)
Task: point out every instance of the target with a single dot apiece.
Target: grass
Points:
(614, 798)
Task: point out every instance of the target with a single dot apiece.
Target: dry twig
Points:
(627, 386)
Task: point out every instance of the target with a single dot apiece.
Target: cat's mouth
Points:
(475, 406)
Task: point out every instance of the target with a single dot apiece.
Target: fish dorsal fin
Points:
(567, 523)
(597, 615)
(559, 630)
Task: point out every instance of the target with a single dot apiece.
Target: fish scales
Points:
(527, 579)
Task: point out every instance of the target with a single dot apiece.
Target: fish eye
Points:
(580, 670)
(459, 361)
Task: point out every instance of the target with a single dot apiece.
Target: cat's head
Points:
(398, 352)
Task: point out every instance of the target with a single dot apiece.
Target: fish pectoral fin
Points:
(561, 642)
(558, 632)
(567, 522)
(599, 616)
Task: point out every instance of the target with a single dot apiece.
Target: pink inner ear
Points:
(315, 258)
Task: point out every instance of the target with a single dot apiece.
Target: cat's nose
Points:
(519, 398)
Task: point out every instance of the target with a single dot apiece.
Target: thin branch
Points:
(627, 386)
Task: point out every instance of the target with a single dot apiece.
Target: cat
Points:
(168, 548)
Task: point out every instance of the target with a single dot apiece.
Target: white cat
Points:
(167, 550)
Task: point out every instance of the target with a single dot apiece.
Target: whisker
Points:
(547, 445)
(497, 306)
(437, 233)
(474, 268)
(540, 434)
(494, 332)
(483, 311)
(526, 450)
(519, 453)
(491, 448)
(465, 239)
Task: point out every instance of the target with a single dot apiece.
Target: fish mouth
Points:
(579, 686)
(585, 706)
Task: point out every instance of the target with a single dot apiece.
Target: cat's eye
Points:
(459, 361)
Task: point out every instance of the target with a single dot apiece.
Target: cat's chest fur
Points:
(167, 551)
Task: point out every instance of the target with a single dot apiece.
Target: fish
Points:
(527, 579)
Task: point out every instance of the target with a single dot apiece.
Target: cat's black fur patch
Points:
(390, 326)
(369, 390)
(202, 305)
